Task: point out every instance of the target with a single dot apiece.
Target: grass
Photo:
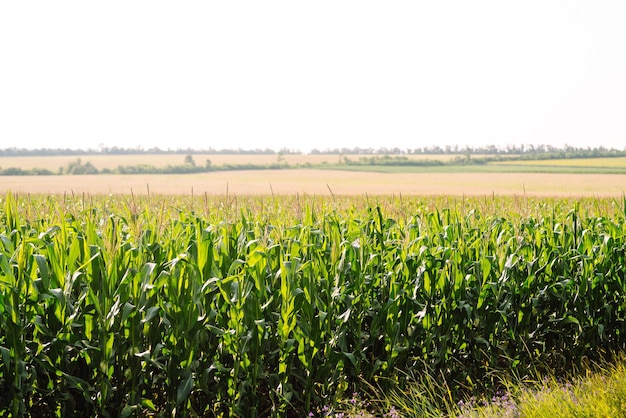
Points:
(614, 162)
(599, 394)
(598, 391)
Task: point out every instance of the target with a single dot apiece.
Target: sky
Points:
(309, 75)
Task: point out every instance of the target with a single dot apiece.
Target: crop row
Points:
(120, 307)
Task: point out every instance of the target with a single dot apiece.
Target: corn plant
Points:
(227, 306)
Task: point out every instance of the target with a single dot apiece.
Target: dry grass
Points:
(321, 182)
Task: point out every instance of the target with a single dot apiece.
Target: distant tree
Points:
(70, 167)
(77, 167)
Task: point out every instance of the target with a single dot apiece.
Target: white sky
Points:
(318, 74)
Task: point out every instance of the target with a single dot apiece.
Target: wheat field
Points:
(325, 182)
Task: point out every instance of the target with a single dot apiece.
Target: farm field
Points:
(491, 167)
(322, 182)
(613, 162)
(101, 161)
(284, 305)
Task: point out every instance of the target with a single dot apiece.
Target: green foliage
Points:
(78, 167)
(189, 160)
(16, 171)
(115, 306)
(396, 161)
(593, 391)
(597, 394)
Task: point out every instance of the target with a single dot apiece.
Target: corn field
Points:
(225, 306)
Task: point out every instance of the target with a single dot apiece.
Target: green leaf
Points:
(184, 389)
(152, 312)
(127, 309)
(6, 356)
(147, 403)
(128, 410)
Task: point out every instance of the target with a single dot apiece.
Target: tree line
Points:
(550, 151)
(380, 157)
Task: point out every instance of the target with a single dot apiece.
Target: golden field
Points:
(322, 182)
